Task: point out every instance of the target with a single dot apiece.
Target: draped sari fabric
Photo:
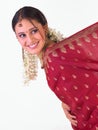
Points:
(71, 68)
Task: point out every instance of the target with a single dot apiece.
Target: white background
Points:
(35, 107)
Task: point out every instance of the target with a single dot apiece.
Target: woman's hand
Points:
(71, 117)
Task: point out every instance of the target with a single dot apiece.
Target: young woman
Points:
(70, 64)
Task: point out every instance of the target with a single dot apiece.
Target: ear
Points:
(46, 29)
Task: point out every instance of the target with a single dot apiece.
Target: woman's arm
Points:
(69, 116)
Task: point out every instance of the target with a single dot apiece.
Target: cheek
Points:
(38, 36)
(21, 42)
(41, 35)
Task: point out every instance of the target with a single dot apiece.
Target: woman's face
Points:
(31, 35)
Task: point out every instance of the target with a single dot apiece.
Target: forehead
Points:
(26, 24)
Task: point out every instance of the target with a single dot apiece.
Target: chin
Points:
(34, 53)
(37, 52)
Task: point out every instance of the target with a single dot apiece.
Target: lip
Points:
(33, 46)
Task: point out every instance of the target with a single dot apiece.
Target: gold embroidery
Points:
(88, 108)
(95, 35)
(62, 57)
(78, 51)
(54, 54)
(71, 46)
(63, 50)
(96, 128)
(86, 75)
(49, 59)
(86, 85)
(87, 39)
(52, 68)
(76, 99)
(74, 76)
(86, 97)
(97, 95)
(79, 43)
(61, 67)
(75, 87)
(63, 78)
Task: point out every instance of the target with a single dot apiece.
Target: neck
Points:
(40, 55)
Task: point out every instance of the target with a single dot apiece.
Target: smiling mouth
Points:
(33, 46)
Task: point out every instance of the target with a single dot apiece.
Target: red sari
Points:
(71, 68)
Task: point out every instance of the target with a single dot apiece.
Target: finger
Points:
(72, 116)
(65, 106)
(73, 122)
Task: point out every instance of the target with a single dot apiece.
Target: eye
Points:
(22, 35)
(34, 31)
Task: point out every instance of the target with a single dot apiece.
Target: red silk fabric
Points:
(71, 68)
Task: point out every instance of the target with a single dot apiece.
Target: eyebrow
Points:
(29, 30)
(33, 28)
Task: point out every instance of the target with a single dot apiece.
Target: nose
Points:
(29, 39)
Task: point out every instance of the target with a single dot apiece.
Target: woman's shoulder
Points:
(86, 33)
(53, 46)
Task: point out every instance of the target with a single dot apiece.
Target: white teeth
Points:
(33, 45)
